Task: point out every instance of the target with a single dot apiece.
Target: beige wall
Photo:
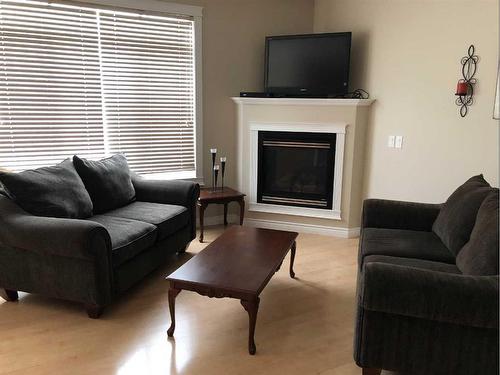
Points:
(406, 53)
(233, 61)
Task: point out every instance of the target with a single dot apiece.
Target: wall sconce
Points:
(496, 107)
(465, 86)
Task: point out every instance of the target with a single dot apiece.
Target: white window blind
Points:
(148, 84)
(50, 94)
(94, 82)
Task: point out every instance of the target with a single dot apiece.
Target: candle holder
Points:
(465, 86)
(223, 169)
(216, 173)
(213, 151)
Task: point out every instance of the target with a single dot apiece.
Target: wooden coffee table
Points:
(238, 264)
(223, 196)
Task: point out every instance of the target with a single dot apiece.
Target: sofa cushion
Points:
(404, 244)
(55, 191)
(107, 181)
(414, 263)
(479, 256)
(457, 216)
(168, 218)
(128, 237)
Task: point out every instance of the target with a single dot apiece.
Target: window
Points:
(94, 82)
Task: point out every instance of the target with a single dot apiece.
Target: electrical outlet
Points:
(399, 141)
(391, 142)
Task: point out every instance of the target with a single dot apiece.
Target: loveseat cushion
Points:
(55, 191)
(405, 244)
(128, 237)
(457, 216)
(480, 255)
(108, 181)
(168, 218)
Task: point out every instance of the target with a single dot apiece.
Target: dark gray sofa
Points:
(94, 260)
(422, 308)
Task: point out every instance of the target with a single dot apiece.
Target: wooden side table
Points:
(219, 196)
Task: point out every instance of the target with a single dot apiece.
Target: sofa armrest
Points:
(73, 238)
(381, 213)
(183, 193)
(179, 192)
(425, 294)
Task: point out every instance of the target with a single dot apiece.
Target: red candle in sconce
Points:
(462, 88)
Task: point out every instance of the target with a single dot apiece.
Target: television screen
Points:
(308, 65)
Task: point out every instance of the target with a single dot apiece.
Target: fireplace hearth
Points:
(296, 168)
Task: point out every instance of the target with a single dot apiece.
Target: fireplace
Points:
(296, 168)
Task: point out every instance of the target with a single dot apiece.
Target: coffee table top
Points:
(207, 194)
(242, 259)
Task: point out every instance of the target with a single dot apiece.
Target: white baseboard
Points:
(285, 225)
(304, 228)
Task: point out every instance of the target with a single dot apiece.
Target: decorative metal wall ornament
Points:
(465, 86)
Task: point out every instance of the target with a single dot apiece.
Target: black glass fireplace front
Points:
(296, 169)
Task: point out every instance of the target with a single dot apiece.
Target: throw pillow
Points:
(107, 181)
(480, 255)
(55, 191)
(458, 215)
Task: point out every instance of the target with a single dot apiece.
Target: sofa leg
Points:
(9, 295)
(183, 250)
(93, 311)
(371, 371)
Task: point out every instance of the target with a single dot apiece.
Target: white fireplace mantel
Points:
(347, 118)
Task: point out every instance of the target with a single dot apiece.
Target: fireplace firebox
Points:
(296, 168)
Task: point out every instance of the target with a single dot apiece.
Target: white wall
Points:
(407, 53)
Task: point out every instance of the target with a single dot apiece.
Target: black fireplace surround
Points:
(296, 169)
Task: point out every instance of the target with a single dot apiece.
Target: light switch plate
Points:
(399, 141)
(391, 141)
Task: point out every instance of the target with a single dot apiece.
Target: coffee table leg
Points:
(172, 293)
(252, 307)
(292, 259)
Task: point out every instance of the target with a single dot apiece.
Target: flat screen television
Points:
(315, 65)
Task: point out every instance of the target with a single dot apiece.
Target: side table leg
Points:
(225, 214)
(252, 307)
(202, 219)
(172, 293)
(242, 210)
(292, 259)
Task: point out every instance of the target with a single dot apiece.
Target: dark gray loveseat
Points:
(93, 260)
(426, 307)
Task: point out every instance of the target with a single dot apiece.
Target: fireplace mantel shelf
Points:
(304, 101)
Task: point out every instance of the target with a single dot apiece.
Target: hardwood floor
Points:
(305, 326)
